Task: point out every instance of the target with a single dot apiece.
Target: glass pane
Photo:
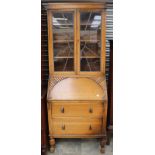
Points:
(62, 50)
(63, 64)
(90, 41)
(63, 41)
(90, 64)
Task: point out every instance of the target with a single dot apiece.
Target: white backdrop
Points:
(20, 79)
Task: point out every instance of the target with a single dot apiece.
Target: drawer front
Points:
(76, 126)
(77, 109)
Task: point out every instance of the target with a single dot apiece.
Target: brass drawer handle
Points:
(63, 127)
(62, 110)
(90, 127)
(91, 110)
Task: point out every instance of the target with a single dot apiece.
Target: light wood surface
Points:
(76, 89)
(50, 45)
(77, 109)
(103, 40)
(56, 6)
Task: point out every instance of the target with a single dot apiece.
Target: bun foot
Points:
(108, 141)
(102, 143)
(52, 149)
(102, 150)
(52, 144)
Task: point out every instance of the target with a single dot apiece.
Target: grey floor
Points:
(81, 147)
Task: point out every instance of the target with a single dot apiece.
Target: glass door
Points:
(63, 41)
(90, 41)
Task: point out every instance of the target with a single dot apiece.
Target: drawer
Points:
(60, 109)
(76, 126)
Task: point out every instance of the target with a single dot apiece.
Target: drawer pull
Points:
(90, 127)
(91, 110)
(62, 110)
(63, 127)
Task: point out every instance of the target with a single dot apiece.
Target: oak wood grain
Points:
(56, 6)
(77, 109)
(76, 126)
(76, 89)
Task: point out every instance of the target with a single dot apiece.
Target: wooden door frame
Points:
(103, 43)
(50, 43)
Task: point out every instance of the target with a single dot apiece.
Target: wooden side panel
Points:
(49, 117)
(103, 40)
(105, 115)
(50, 44)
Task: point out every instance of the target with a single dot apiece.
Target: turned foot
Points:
(52, 144)
(108, 140)
(102, 150)
(102, 143)
(52, 149)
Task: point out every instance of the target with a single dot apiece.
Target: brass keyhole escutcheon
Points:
(63, 127)
(90, 127)
(62, 110)
(90, 110)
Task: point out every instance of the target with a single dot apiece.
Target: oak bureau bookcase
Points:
(77, 93)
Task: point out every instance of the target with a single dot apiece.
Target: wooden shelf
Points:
(91, 41)
(62, 41)
(83, 24)
(63, 57)
(71, 57)
(90, 57)
(66, 41)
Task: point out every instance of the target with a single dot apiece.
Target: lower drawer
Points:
(76, 126)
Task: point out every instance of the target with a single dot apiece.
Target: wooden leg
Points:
(43, 150)
(52, 145)
(102, 143)
(108, 138)
(109, 134)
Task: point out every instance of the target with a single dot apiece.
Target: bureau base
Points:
(77, 110)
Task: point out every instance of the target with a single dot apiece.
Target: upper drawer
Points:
(71, 109)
